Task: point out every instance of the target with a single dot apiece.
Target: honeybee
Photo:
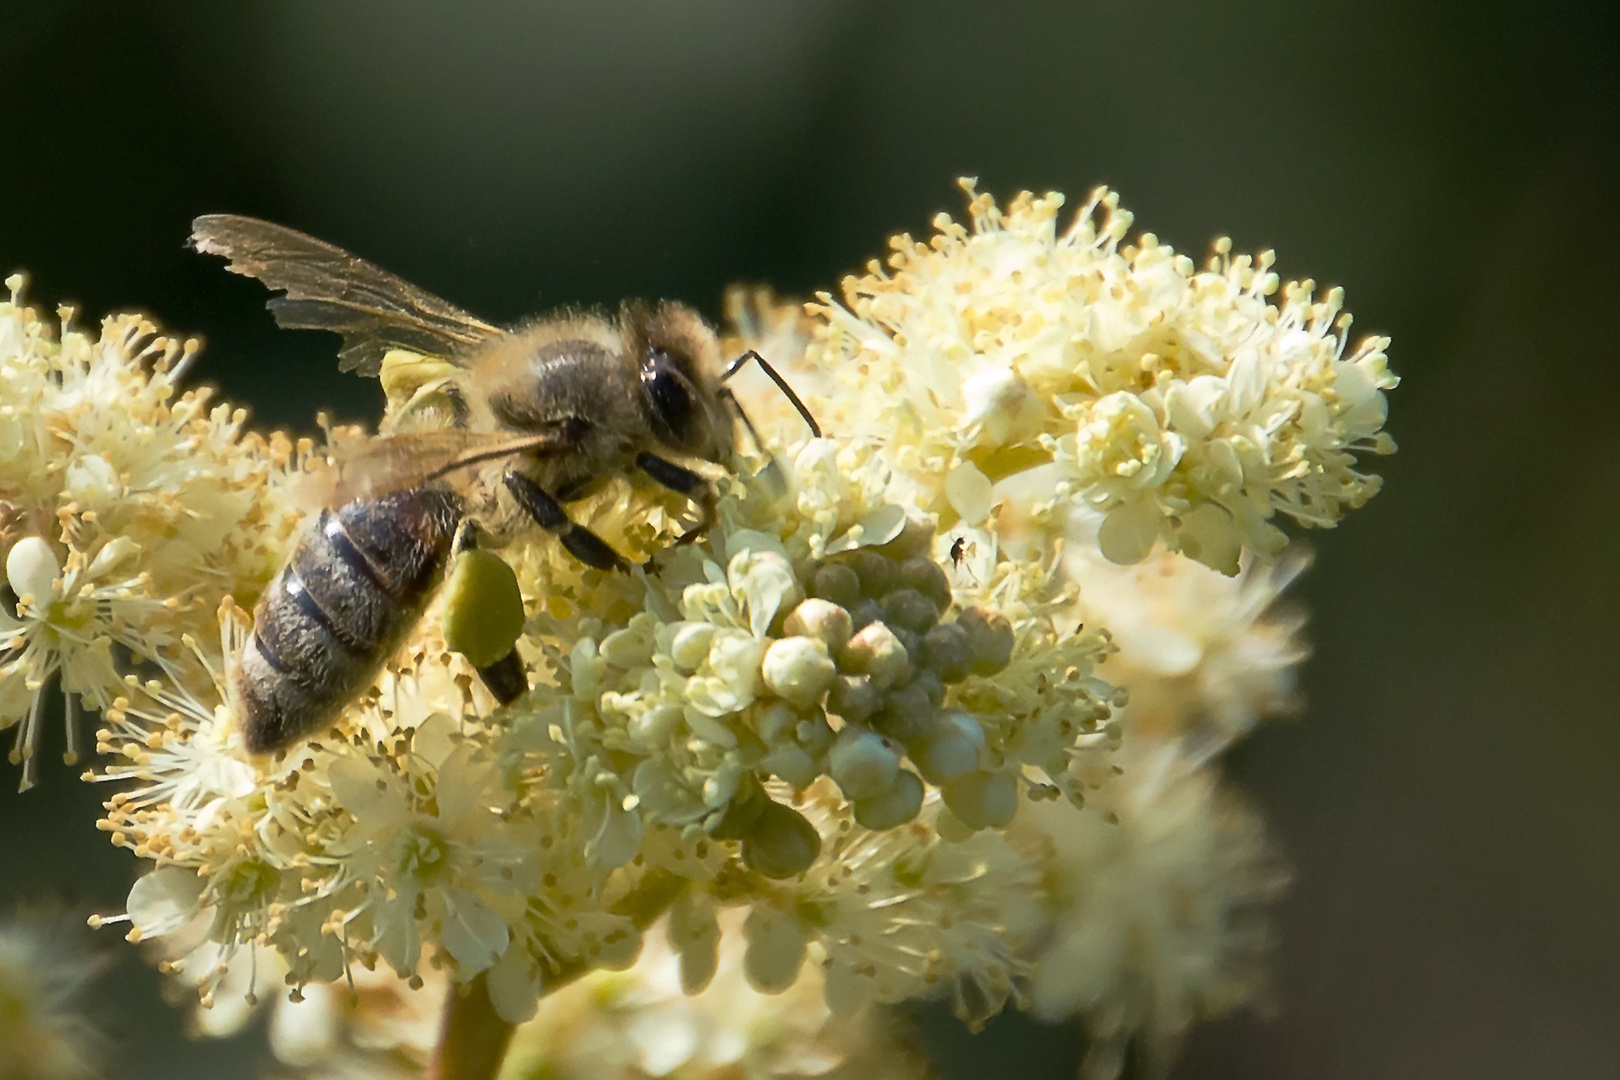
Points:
(571, 401)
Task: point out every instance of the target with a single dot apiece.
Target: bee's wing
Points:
(329, 289)
(397, 462)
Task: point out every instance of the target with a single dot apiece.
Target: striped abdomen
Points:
(353, 588)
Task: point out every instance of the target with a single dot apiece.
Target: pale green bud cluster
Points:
(857, 665)
(887, 660)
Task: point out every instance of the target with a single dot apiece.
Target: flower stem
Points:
(473, 1038)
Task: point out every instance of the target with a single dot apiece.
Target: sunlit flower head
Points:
(128, 508)
(1189, 406)
(855, 742)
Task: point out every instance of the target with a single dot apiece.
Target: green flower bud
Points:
(916, 536)
(951, 750)
(775, 952)
(853, 697)
(792, 763)
(863, 763)
(798, 669)
(927, 577)
(781, 843)
(947, 651)
(775, 721)
(864, 613)
(738, 818)
(905, 714)
(878, 575)
(836, 583)
(931, 686)
(990, 638)
(910, 609)
(876, 652)
(815, 734)
(893, 808)
(983, 800)
(823, 620)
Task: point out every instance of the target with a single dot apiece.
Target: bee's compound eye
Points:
(672, 401)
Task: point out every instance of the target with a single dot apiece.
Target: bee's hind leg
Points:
(685, 482)
(548, 513)
(506, 677)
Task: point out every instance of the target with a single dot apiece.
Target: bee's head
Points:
(680, 361)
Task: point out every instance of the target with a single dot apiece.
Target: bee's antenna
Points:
(781, 384)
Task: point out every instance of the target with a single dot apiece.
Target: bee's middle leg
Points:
(548, 513)
(685, 482)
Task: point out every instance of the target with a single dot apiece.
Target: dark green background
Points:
(1450, 798)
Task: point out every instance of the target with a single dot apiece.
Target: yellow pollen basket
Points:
(483, 607)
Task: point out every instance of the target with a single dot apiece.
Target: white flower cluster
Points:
(123, 501)
(1161, 908)
(45, 968)
(1188, 406)
(930, 711)
(809, 636)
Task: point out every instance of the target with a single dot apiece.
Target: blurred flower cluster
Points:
(932, 711)
(46, 965)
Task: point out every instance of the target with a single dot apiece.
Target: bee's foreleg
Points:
(479, 589)
(694, 486)
(548, 513)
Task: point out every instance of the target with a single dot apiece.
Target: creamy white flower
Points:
(1190, 404)
(1159, 910)
(1203, 656)
(128, 510)
(900, 914)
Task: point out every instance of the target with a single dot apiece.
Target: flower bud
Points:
(927, 577)
(798, 669)
(792, 763)
(837, 584)
(653, 727)
(878, 575)
(775, 951)
(823, 620)
(853, 697)
(894, 807)
(915, 537)
(690, 646)
(781, 843)
(738, 818)
(775, 721)
(951, 750)
(905, 714)
(863, 763)
(815, 734)
(947, 651)
(910, 609)
(876, 652)
(933, 689)
(982, 800)
(32, 569)
(864, 613)
(990, 638)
